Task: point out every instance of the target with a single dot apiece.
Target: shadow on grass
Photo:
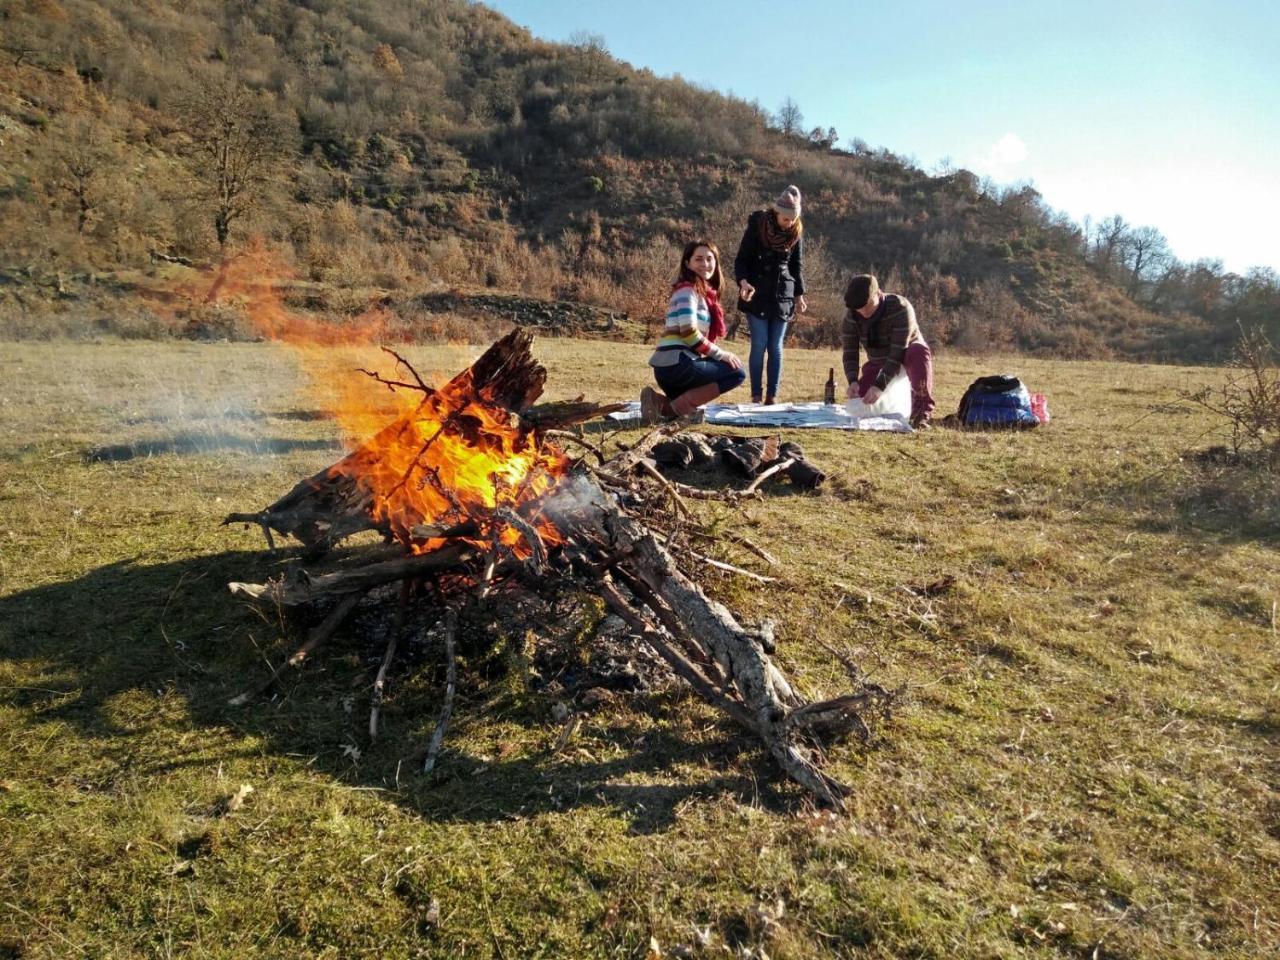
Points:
(186, 443)
(300, 415)
(91, 654)
(1231, 502)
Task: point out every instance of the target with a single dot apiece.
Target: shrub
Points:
(1248, 398)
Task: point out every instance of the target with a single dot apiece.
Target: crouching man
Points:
(884, 324)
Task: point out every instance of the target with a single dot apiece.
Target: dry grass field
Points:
(1084, 763)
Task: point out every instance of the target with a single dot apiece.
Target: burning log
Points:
(466, 483)
(346, 498)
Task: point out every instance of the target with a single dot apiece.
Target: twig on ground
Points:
(736, 538)
(318, 635)
(450, 685)
(776, 468)
(581, 441)
(379, 683)
(652, 471)
(719, 564)
(566, 732)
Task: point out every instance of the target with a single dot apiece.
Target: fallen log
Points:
(299, 588)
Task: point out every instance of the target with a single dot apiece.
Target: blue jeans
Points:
(766, 336)
(689, 373)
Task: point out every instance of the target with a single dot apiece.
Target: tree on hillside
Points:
(1146, 253)
(789, 118)
(594, 50)
(83, 160)
(385, 59)
(824, 138)
(1109, 240)
(239, 141)
(28, 27)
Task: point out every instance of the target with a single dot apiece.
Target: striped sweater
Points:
(688, 320)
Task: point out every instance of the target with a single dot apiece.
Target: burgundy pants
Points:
(918, 363)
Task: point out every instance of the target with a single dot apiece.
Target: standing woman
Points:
(769, 271)
(689, 367)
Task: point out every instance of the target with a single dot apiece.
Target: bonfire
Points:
(471, 488)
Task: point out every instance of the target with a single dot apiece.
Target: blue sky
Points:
(1166, 113)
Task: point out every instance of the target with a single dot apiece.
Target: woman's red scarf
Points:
(716, 329)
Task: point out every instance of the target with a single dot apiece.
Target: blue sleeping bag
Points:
(997, 401)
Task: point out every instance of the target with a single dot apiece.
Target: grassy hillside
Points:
(409, 146)
(1083, 764)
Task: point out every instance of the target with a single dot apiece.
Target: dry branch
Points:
(450, 686)
(294, 591)
(317, 636)
(379, 683)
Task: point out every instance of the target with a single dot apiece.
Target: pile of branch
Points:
(620, 526)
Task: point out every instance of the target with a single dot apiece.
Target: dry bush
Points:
(1248, 398)
(990, 321)
(413, 324)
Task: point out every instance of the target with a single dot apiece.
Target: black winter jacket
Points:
(777, 277)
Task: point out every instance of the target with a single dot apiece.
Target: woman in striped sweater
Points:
(688, 365)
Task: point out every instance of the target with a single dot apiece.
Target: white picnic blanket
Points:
(827, 416)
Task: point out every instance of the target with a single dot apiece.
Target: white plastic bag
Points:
(894, 401)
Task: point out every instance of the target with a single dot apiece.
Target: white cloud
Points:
(1007, 151)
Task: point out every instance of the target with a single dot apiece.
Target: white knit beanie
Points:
(788, 201)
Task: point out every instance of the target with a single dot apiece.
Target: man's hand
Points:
(731, 359)
(746, 291)
(852, 392)
(801, 304)
(872, 395)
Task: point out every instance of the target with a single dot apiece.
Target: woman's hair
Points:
(688, 276)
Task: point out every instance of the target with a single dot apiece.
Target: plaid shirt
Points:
(885, 335)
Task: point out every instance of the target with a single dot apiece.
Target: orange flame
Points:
(457, 456)
(434, 459)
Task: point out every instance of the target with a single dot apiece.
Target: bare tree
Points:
(823, 138)
(789, 118)
(593, 49)
(239, 140)
(83, 160)
(1146, 253)
(30, 27)
(1109, 241)
(587, 41)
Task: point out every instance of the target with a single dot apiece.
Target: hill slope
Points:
(407, 145)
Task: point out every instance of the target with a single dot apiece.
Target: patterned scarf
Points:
(773, 237)
(716, 328)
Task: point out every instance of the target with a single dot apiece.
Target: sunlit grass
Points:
(1084, 762)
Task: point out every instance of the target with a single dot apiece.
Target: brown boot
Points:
(691, 400)
(654, 407)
